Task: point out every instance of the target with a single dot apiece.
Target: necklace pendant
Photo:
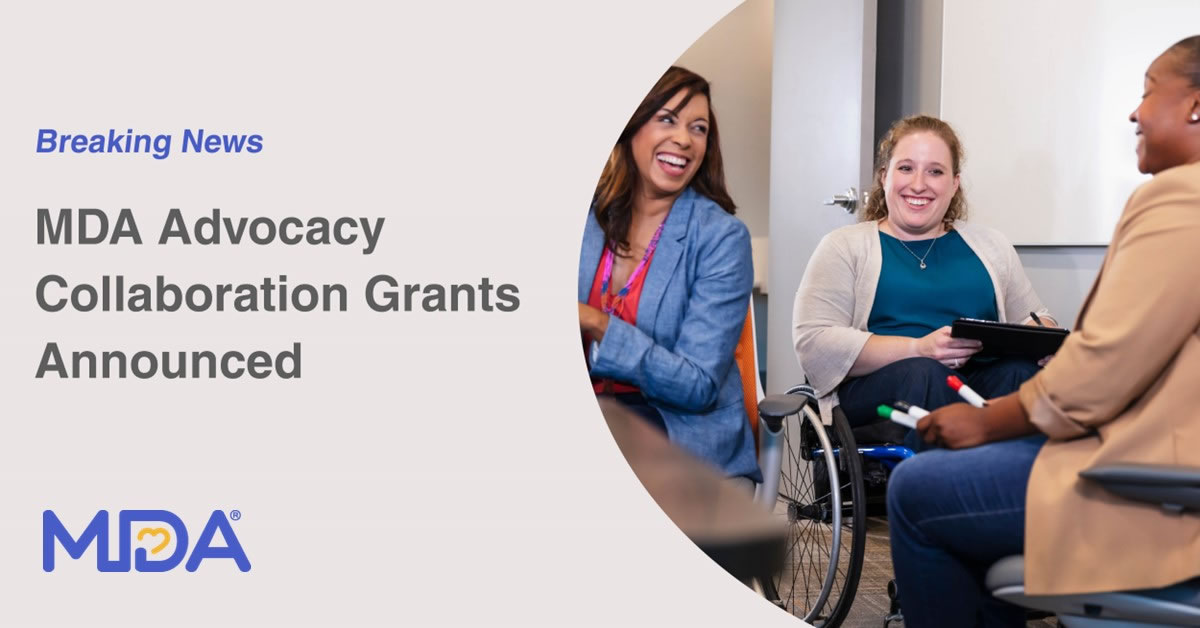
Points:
(922, 265)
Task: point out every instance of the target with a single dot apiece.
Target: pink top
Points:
(623, 307)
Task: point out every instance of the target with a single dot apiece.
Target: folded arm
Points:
(688, 375)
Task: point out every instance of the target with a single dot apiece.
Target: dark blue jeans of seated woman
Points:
(922, 382)
(951, 515)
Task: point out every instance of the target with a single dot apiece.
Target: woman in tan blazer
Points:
(1124, 387)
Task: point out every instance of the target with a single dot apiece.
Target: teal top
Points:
(913, 302)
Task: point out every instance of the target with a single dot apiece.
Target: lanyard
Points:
(607, 304)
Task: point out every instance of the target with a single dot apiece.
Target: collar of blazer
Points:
(666, 260)
(669, 248)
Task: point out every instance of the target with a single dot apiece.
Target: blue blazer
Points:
(689, 318)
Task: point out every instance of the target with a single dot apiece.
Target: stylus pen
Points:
(916, 412)
(897, 416)
(964, 391)
(1036, 319)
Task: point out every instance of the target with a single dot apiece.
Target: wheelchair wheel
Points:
(821, 495)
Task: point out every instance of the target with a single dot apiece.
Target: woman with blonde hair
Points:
(872, 315)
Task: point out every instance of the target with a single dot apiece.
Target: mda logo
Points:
(53, 529)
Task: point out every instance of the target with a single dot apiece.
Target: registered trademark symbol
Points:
(235, 514)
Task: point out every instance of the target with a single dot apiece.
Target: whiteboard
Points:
(1040, 94)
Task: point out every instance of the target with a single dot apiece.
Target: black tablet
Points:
(1009, 339)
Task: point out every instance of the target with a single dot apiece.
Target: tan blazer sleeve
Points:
(1143, 306)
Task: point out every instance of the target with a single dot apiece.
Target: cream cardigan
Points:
(833, 303)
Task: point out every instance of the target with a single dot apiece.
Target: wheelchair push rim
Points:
(826, 534)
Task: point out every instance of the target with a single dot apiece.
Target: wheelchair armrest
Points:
(773, 409)
(1175, 488)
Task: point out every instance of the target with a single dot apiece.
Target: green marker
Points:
(888, 412)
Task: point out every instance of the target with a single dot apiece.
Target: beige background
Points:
(735, 57)
(428, 469)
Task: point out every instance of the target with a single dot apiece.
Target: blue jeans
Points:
(951, 515)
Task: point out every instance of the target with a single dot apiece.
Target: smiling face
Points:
(1164, 115)
(918, 185)
(669, 148)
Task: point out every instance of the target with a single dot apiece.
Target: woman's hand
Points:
(953, 352)
(592, 321)
(1046, 321)
(956, 426)
(959, 425)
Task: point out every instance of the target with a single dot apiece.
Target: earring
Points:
(1196, 117)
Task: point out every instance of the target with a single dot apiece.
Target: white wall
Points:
(1046, 88)
(1062, 276)
(735, 57)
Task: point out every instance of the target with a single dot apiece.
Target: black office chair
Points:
(1177, 490)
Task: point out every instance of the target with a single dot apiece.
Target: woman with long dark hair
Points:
(665, 276)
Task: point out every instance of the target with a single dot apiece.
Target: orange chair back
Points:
(745, 355)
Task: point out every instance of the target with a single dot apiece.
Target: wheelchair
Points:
(824, 484)
(819, 487)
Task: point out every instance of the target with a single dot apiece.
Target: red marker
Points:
(965, 392)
